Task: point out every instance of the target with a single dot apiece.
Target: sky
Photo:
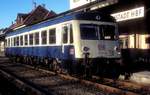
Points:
(10, 8)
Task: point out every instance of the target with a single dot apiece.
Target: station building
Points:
(133, 18)
(77, 3)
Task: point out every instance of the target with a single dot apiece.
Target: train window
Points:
(52, 36)
(21, 40)
(44, 37)
(107, 32)
(31, 39)
(17, 42)
(36, 38)
(26, 40)
(5, 41)
(65, 34)
(71, 34)
(12, 41)
(89, 31)
(8, 42)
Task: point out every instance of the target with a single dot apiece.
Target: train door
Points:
(67, 40)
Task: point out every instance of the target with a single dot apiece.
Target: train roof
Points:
(93, 16)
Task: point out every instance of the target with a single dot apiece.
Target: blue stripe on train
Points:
(43, 51)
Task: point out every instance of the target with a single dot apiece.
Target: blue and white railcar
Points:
(66, 37)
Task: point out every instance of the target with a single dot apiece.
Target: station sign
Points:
(129, 14)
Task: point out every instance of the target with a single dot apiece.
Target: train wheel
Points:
(30, 60)
(46, 61)
(55, 66)
(50, 66)
(14, 59)
(27, 61)
(37, 62)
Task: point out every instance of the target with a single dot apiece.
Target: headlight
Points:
(117, 48)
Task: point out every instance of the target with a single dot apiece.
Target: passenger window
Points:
(26, 40)
(21, 40)
(52, 36)
(65, 34)
(8, 42)
(71, 34)
(12, 41)
(31, 39)
(44, 37)
(36, 38)
(17, 42)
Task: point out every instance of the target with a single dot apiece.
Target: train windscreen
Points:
(107, 32)
(97, 32)
(89, 32)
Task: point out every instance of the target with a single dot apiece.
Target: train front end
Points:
(99, 40)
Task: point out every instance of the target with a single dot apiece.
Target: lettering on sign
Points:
(129, 14)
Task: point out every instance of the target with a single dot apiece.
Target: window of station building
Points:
(21, 40)
(44, 37)
(52, 36)
(123, 43)
(31, 39)
(26, 40)
(148, 40)
(36, 38)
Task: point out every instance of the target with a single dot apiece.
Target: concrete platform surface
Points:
(141, 77)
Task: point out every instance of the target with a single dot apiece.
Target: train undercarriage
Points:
(110, 68)
(86, 67)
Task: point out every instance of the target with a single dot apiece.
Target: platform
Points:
(141, 77)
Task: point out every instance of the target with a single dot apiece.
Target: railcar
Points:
(68, 40)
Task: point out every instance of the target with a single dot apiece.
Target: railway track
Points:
(43, 82)
(142, 89)
(110, 85)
